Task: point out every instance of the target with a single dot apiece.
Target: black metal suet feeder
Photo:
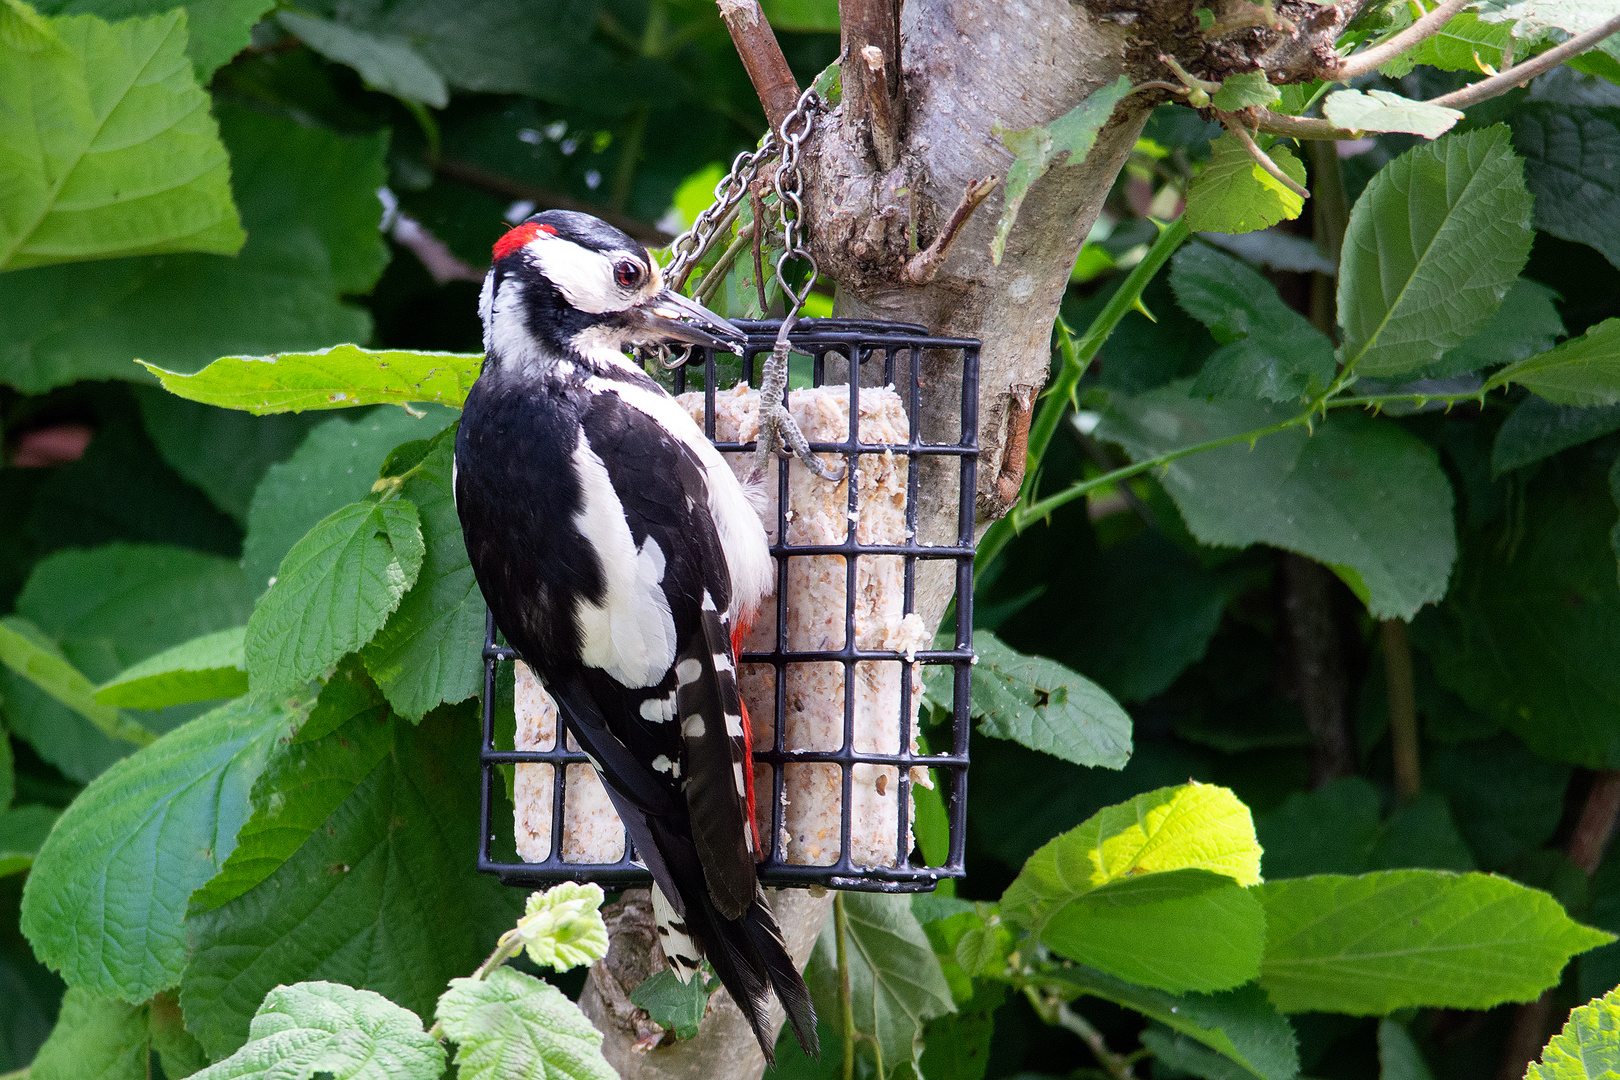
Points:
(885, 355)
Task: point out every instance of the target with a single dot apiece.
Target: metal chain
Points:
(786, 143)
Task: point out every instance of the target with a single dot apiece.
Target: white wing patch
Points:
(742, 537)
(630, 634)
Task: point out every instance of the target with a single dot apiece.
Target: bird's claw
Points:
(778, 428)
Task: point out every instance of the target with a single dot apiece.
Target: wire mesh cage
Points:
(848, 794)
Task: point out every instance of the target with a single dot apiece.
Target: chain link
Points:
(787, 144)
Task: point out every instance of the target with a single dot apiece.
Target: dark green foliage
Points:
(1141, 640)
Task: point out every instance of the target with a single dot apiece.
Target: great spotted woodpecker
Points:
(622, 560)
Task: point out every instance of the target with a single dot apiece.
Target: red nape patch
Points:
(517, 237)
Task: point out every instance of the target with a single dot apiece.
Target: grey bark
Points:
(968, 67)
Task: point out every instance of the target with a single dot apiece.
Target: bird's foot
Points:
(776, 424)
(777, 427)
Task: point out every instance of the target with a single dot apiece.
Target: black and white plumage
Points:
(620, 556)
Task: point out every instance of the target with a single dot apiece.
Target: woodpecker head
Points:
(564, 283)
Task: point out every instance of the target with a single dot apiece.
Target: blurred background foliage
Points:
(378, 147)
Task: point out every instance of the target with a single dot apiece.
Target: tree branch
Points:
(1261, 157)
(922, 268)
(1403, 733)
(1532, 1021)
(1426, 27)
(761, 55)
(1497, 85)
(873, 102)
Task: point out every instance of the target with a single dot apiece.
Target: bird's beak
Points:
(669, 316)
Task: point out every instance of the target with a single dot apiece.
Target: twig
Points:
(1592, 832)
(1116, 1065)
(473, 176)
(846, 998)
(870, 40)
(1263, 159)
(1497, 85)
(1368, 59)
(758, 205)
(1403, 733)
(1188, 79)
(885, 131)
(1300, 127)
(711, 280)
(762, 57)
(926, 263)
(1595, 826)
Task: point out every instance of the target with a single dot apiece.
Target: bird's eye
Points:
(628, 273)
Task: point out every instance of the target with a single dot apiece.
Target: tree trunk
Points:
(885, 172)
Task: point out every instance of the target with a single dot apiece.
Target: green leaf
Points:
(211, 666)
(333, 592)
(1045, 706)
(1268, 350)
(895, 979)
(496, 46)
(673, 1005)
(1569, 154)
(1507, 801)
(1380, 110)
(1065, 141)
(23, 830)
(107, 892)
(1238, 92)
(801, 15)
(32, 656)
(95, 1038)
(340, 377)
(430, 650)
(1340, 829)
(562, 926)
(1524, 635)
(1398, 1055)
(388, 65)
(216, 29)
(335, 466)
(1234, 194)
(1179, 1052)
(1588, 1046)
(308, 201)
(1407, 938)
(1533, 18)
(1240, 1024)
(223, 452)
(1538, 429)
(1582, 371)
(1434, 243)
(108, 148)
(1455, 47)
(1527, 323)
(1138, 613)
(303, 782)
(383, 894)
(1360, 495)
(512, 1026)
(117, 604)
(1151, 890)
(328, 1029)
(110, 607)
(8, 777)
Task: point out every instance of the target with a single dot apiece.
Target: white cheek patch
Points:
(630, 634)
(584, 277)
